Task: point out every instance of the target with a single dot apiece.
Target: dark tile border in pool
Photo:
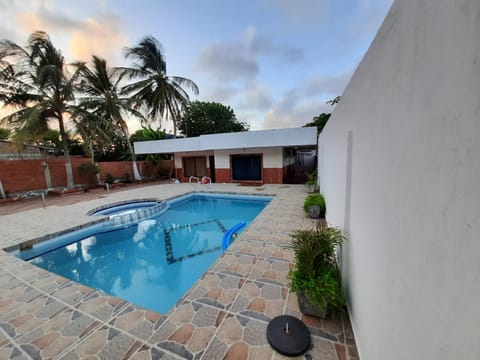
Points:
(169, 247)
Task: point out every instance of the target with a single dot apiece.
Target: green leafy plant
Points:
(311, 178)
(109, 178)
(315, 200)
(127, 178)
(315, 274)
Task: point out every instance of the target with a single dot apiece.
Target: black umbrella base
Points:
(288, 335)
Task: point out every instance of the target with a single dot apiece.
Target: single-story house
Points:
(266, 156)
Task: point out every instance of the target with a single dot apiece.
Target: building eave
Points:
(305, 136)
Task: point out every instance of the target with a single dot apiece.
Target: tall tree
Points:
(103, 109)
(164, 95)
(319, 122)
(5, 133)
(146, 133)
(200, 118)
(35, 82)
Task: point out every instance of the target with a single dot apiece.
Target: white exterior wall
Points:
(407, 193)
(272, 157)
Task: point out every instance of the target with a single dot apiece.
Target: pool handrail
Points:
(206, 180)
(192, 178)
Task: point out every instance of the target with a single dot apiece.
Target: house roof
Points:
(305, 136)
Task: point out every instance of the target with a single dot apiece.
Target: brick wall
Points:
(269, 176)
(223, 175)
(119, 169)
(25, 175)
(272, 176)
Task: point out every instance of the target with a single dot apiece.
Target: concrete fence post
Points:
(2, 192)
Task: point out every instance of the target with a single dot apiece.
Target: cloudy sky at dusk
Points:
(275, 62)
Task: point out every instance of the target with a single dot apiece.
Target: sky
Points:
(274, 62)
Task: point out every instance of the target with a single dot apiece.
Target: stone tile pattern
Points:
(223, 316)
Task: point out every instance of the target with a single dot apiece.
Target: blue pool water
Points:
(153, 262)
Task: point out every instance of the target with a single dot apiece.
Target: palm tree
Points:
(35, 82)
(163, 95)
(102, 110)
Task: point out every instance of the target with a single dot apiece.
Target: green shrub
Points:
(311, 178)
(109, 178)
(127, 178)
(315, 200)
(324, 290)
(315, 273)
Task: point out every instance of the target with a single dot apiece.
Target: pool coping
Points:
(216, 316)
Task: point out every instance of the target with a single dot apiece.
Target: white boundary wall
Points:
(400, 170)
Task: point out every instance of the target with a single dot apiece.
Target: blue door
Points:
(246, 167)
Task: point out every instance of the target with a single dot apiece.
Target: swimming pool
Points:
(151, 262)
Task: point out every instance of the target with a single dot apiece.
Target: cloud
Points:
(303, 12)
(98, 37)
(43, 19)
(254, 97)
(298, 106)
(6, 33)
(328, 85)
(228, 61)
(220, 93)
(239, 59)
(366, 18)
(262, 45)
(290, 111)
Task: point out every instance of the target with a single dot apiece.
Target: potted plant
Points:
(314, 206)
(315, 277)
(311, 182)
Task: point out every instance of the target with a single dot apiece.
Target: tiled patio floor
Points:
(224, 316)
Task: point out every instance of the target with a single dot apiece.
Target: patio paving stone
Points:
(188, 330)
(235, 264)
(277, 252)
(216, 290)
(52, 337)
(101, 306)
(138, 321)
(105, 343)
(272, 271)
(239, 337)
(47, 281)
(260, 301)
(248, 246)
(72, 293)
(9, 351)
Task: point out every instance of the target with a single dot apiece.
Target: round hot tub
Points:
(123, 208)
